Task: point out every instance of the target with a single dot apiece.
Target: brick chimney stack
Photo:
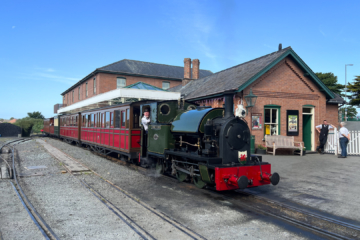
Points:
(187, 71)
(187, 68)
(195, 68)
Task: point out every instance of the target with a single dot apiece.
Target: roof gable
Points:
(144, 86)
(239, 77)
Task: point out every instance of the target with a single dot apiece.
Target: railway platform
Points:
(320, 182)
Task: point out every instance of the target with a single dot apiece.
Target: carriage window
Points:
(117, 118)
(111, 119)
(94, 117)
(103, 120)
(76, 121)
(107, 118)
(128, 118)
(123, 117)
(136, 117)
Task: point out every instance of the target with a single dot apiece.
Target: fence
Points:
(333, 145)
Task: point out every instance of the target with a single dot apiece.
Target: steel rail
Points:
(45, 228)
(95, 193)
(192, 234)
(258, 209)
(338, 222)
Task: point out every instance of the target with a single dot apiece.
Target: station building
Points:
(291, 99)
(125, 73)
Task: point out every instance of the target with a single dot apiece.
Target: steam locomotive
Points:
(204, 145)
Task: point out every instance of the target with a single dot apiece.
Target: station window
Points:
(107, 118)
(79, 92)
(73, 96)
(165, 85)
(94, 86)
(120, 82)
(271, 121)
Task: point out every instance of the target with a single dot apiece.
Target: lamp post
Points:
(346, 89)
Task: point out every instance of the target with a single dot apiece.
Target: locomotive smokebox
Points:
(229, 105)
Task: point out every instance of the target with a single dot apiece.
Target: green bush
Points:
(30, 125)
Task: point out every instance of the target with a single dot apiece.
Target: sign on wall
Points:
(256, 121)
(292, 117)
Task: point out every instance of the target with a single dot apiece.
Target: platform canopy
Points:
(132, 93)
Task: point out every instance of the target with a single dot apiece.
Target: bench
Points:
(276, 142)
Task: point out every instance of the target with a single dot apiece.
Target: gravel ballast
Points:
(194, 208)
(68, 208)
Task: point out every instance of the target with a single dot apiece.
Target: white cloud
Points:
(47, 74)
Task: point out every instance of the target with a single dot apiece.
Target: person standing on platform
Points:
(323, 129)
(344, 137)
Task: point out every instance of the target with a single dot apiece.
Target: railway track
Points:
(324, 226)
(141, 231)
(40, 223)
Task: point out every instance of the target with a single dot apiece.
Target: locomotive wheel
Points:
(181, 176)
(198, 182)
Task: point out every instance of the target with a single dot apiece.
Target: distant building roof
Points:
(12, 120)
(144, 69)
(145, 86)
(240, 76)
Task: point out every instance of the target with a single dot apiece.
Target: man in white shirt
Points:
(344, 138)
(323, 129)
(146, 120)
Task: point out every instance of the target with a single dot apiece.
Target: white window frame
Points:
(118, 85)
(163, 85)
(94, 86)
(271, 123)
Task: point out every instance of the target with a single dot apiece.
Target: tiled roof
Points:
(150, 69)
(142, 85)
(228, 79)
(146, 69)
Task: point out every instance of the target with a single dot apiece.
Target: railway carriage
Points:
(51, 126)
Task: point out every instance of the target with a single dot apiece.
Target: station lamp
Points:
(250, 99)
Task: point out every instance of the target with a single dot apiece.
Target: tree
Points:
(36, 115)
(30, 125)
(354, 89)
(351, 111)
(330, 80)
(11, 118)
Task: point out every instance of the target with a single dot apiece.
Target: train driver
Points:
(146, 120)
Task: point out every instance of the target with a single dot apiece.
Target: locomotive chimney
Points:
(229, 102)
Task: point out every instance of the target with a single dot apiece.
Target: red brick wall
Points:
(332, 114)
(106, 82)
(286, 86)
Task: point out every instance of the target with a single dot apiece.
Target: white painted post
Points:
(335, 142)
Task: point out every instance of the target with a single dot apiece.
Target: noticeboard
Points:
(292, 123)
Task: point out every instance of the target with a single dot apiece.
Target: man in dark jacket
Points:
(323, 129)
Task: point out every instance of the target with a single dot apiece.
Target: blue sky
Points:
(46, 46)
